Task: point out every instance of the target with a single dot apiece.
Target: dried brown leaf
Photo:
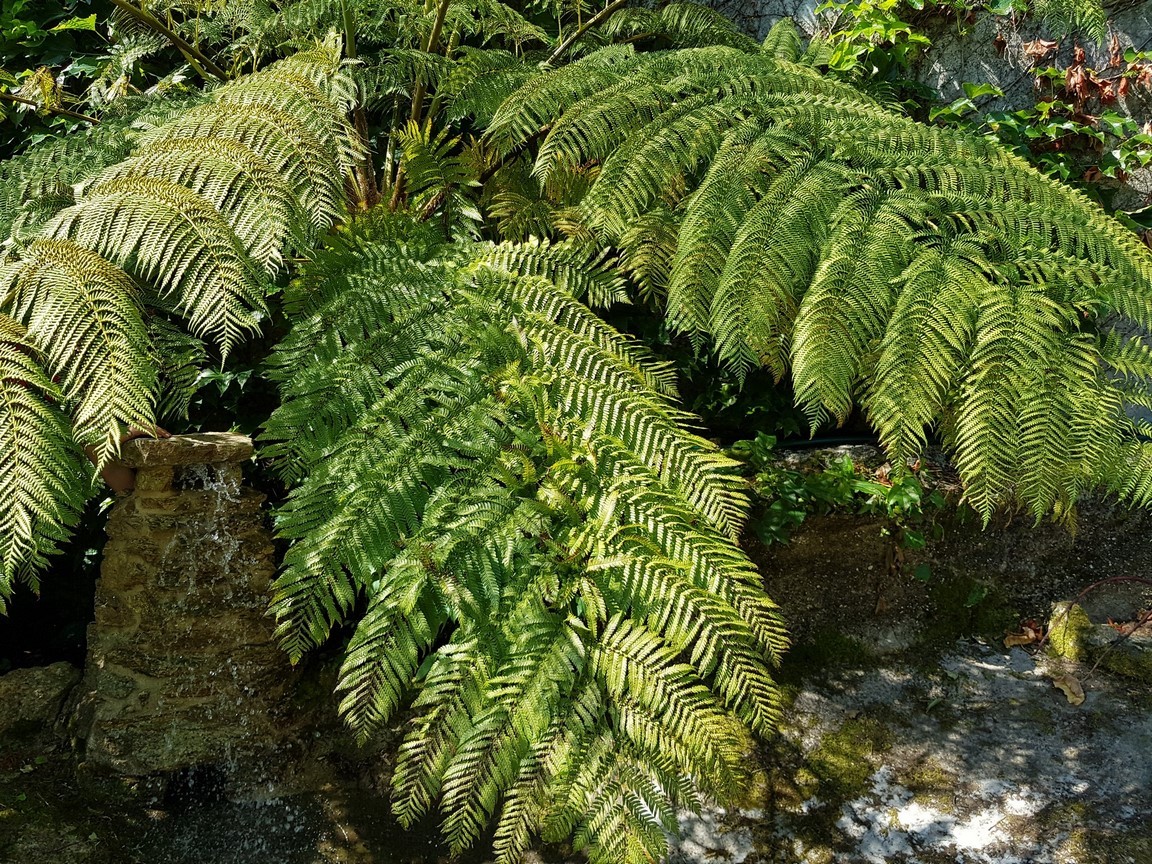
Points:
(1070, 687)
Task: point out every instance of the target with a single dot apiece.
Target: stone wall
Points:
(182, 669)
(836, 574)
(970, 53)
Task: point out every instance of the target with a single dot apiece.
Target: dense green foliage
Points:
(544, 553)
(491, 488)
(190, 229)
(923, 273)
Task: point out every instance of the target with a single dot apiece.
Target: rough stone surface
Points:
(967, 757)
(31, 699)
(1125, 649)
(205, 448)
(182, 668)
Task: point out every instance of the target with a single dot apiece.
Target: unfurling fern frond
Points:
(924, 274)
(544, 556)
(191, 226)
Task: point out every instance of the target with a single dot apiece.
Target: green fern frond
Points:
(479, 82)
(676, 25)
(924, 274)
(191, 225)
(438, 178)
(176, 240)
(783, 41)
(83, 315)
(42, 178)
(1074, 16)
(282, 140)
(43, 483)
(544, 553)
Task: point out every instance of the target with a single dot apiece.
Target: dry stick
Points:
(9, 97)
(600, 16)
(190, 52)
(418, 98)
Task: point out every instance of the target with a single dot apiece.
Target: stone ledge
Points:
(204, 448)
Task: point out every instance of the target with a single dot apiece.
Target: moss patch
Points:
(1091, 837)
(1068, 632)
(1131, 658)
(842, 763)
(931, 783)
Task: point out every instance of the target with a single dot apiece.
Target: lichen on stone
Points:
(1068, 632)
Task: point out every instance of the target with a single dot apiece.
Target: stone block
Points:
(205, 448)
(30, 699)
(182, 666)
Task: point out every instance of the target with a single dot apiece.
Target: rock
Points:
(182, 666)
(1073, 635)
(967, 756)
(1069, 631)
(205, 448)
(30, 699)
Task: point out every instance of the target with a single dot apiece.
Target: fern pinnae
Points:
(176, 239)
(84, 315)
(254, 198)
(821, 303)
(527, 500)
(287, 144)
(42, 478)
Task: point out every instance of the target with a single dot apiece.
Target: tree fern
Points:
(924, 274)
(544, 555)
(193, 225)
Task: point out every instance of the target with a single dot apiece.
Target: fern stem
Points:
(9, 97)
(189, 51)
(601, 16)
(367, 190)
(418, 96)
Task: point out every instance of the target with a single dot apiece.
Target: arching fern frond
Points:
(176, 240)
(83, 315)
(191, 225)
(676, 25)
(37, 183)
(545, 553)
(924, 274)
(43, 483)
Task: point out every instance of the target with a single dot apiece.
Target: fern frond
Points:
(544, 553)
(191, 225)
(677, 25)
(43, 483)
(175, 239)
(83, 315)
(1074, 16)
(880, 262)
(783, 41)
